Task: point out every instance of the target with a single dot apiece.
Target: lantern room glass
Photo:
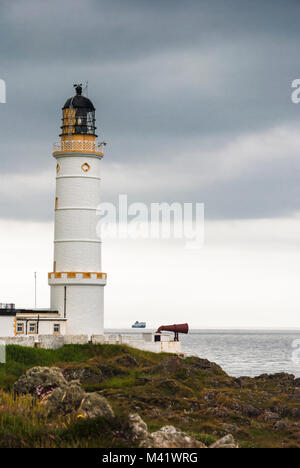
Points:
(80, 121)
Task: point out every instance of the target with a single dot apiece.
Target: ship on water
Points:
(138, 324)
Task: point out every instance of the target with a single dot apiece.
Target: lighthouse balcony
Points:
(74, 146)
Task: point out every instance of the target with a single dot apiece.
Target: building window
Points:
(56, 203)
(20, 328)
(56, 329)
(32, 328)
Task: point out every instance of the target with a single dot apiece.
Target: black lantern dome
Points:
(78, 115)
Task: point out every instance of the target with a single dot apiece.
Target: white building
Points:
(22, 322)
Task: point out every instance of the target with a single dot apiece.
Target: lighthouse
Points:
(77, 281)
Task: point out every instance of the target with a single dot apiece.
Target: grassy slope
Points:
(184, 394)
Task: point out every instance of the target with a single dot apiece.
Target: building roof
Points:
(79, 101)
(14, 312)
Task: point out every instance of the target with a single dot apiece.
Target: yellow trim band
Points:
(74, 274)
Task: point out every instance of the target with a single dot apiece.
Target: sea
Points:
(243, 352)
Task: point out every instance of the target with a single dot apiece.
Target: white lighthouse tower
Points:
(77, 282)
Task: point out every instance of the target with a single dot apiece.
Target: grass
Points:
(118, 382)
(22, 420)
(19, 359)
(24, 423)
(94, 433)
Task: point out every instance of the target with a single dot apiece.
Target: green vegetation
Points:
(19, 359)
(192, 394)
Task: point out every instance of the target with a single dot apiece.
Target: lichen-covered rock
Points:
(138, 427)
(282, 425)
(270, 416)
(285, 425)
(40, 380)
(65, 399)
(61, 397)
(220, 412)
(94, 405)
(250, 411)
(226, 442)
(229, 428)
(85, 375)
(170, 437)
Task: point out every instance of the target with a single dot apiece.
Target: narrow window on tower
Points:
(56, 203)
(85, 167)
(54, 266)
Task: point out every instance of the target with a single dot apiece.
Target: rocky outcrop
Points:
(270, 416)
(250, 411)
(61, 397)
(185, 396)
(94, 405)
(286, 425)
(170, 437)
(226, 442)
(190, 366)
(65, 399)
(138, 427)
(85, 375)
(230, 428)
(40, 380)
(282, 377)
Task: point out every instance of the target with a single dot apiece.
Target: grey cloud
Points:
(271, 191)
(162, 74)
(114, 30)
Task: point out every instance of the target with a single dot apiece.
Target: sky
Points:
(194, 101)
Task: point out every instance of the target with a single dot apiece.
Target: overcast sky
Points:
(194, 100)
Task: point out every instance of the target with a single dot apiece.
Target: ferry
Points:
(138, 324)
